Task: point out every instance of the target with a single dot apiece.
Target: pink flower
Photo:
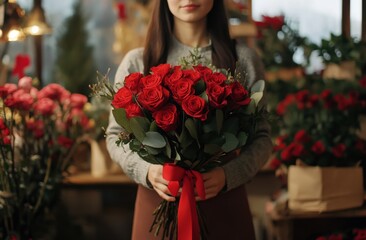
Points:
(78, 100)
(7, 89)
(25, 83)
(45, 107)
(55, 92)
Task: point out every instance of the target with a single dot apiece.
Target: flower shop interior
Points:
(57, 178)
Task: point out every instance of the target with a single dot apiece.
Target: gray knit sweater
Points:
(239, 170)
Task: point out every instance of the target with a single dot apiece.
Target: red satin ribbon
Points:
(188, 227)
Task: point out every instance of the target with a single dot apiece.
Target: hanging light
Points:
(11, 29)
(36, 21)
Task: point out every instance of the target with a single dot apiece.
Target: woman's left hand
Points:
(214, 181)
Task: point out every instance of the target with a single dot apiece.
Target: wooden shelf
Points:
(88, 179)
(243, 30)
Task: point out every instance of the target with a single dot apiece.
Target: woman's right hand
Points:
(159, 184)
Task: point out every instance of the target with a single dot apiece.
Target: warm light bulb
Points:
(34, 30)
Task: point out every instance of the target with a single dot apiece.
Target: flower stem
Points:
(45, 180)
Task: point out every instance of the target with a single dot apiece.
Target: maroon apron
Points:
(227, 216)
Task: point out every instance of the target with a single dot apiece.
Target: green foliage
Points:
(75, 65)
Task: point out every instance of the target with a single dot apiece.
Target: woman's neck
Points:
(193, 35)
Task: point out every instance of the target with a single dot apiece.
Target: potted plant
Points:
(344, 58)
(277, 42)
(39, 131)
(319, 131)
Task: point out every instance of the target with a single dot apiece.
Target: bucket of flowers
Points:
(39, 132)
(185, 117)
(320, 145)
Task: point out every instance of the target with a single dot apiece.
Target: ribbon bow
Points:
(188, 227)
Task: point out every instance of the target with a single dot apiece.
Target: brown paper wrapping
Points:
(322, 189)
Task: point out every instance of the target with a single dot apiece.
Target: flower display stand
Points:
(346, 70)
(322, 189)
(285, 74)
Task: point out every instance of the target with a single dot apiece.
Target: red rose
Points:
(122, 98)
(217, 95)
(239, 95)
(298, 150)
(217, 78)
(171, 79)
(167, 117)
(338, 150)
(193, 75)
(182, 89)
(161, 70)
(45, 107)
(203, 70)
(22, 100)
(286, 154)
(318, 147)
(196, 107)
(150, 81)
(153, 98)
(274, 163)
(133, 110)
(363, 82)
(302, 136)
(132, 82)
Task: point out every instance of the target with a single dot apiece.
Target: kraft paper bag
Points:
(322, 189)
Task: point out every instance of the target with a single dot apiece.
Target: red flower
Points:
(275, 163)
(239, 95)
(55, 92)
(203, 70)
(171, 79)
(167, 117)
(132, 82)
(196, 107)
(45, 107)
(217, 95)
(153, 98)
(25, 83)
(7, 89)
(133, 110)
(338, 150)
(302, 136)
(122, 98)
(161, 70)
(150, 81)
(193, 75)
(65, 141)
(182, 89)
(78, 100)
(363, 82)
(318, 147)
(217, 78)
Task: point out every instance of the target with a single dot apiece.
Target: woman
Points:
(176, 28)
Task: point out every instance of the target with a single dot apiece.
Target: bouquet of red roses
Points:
(187, 118)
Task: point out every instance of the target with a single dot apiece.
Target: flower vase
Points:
(98, 164)
(323, 189)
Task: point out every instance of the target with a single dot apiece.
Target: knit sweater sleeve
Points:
(243, 168)
(134, 167)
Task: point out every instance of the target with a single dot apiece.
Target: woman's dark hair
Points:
(160, 31)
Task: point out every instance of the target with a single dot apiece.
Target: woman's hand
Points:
(160, 185)
(213, 181)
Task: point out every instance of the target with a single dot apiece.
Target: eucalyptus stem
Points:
(45, 180)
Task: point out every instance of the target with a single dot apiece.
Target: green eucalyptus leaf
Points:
(168, 149)
(121, 118)
(152, 150)
(209, 126)
(219, 120)
(144, 154)
(258, 86)
(135, 145)
(251, 108)
(231, 142)
(154, 139)
(185, 138)
(200, 87)
(153, 127)
(204, 96)
(242, 137)
(191, 127)
(211, 148)
(190, 152)
(139, 126)
(231, 125)
(256, 97)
